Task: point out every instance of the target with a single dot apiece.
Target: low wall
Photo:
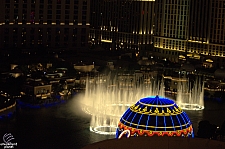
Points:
(157, 143)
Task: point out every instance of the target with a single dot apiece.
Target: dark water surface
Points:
(64, 126)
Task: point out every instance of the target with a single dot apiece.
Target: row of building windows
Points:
(48, 2)
(49, 12)
(41, 43)
(192, 47)
(40, 30)
(40, 13)
(119, 37)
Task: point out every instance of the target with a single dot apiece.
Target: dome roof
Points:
(154, 116)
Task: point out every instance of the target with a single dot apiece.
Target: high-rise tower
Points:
(190, 29)
(171, 27)
(30, 24)
(122, 24)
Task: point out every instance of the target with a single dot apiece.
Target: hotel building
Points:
(171, 26)
(178, 30)
(173, 29)
(190, 29)
(122, 24)
(33, 24)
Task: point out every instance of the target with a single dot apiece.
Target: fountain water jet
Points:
(190, 97)
(107, 101)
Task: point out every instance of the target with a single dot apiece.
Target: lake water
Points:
(66, 126)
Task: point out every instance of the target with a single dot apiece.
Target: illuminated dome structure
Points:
(154, 116)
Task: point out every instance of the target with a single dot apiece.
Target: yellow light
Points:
(209, 60)
(189, 54)
(108, 41)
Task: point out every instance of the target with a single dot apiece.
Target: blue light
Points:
(37, 106)
(139, 120)
(179, 121)
(183, 119)
(172, 123)
(147, 122)
(164, 122)
(155, 114)
(133, 119)
(128, 115)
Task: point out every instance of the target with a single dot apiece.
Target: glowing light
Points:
(162, 123)
(188, 106)
(1, 110)
(104, 130)
(190, 98)
(109, 41)
(106, 102)
(181, 56)
(125, 132)
(209, 60)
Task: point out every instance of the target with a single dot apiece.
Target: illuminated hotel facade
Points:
(30, 24)
(176, 29)
(171, 26)
(122, 24)
(190, 28)
(173, 29)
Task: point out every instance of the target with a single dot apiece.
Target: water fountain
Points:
(107, 101)
(190, 97)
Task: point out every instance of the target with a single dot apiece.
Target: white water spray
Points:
(190, 97)
(107, 101)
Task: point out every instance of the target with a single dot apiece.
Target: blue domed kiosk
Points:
(154, 116)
